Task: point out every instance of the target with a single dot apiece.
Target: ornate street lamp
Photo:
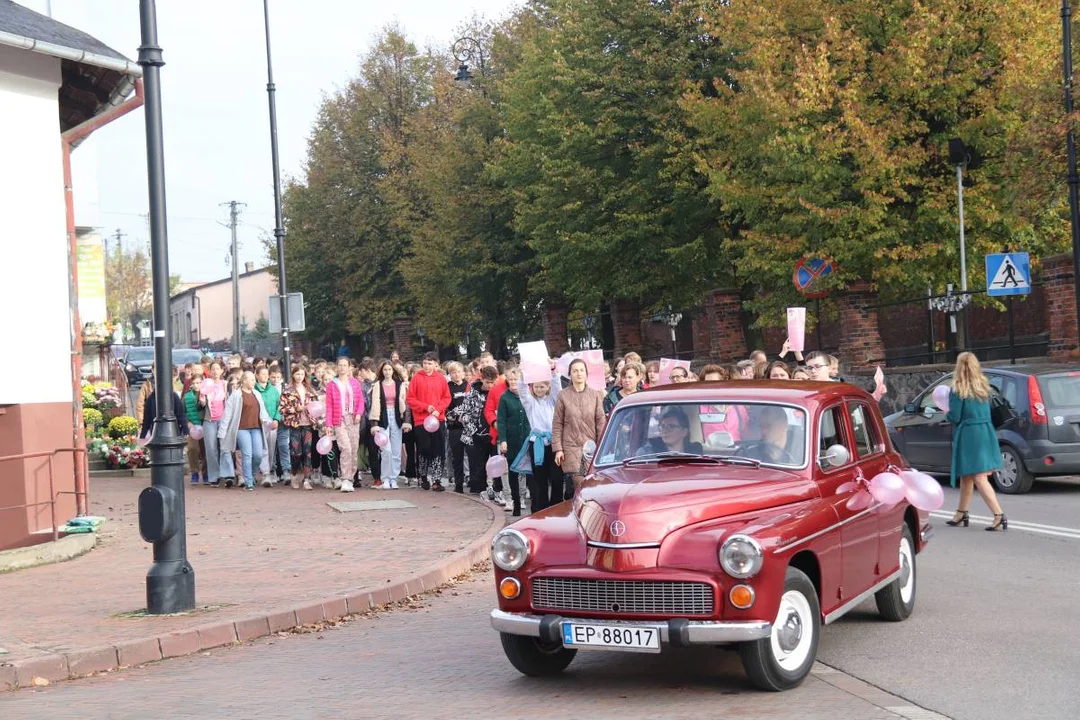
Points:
(465, 49)
(672, 320)
(589, 322)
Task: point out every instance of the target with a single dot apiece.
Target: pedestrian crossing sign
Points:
(1008, 274)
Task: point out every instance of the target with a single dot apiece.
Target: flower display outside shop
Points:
(126, 454)
(123, 426)
(92, 419)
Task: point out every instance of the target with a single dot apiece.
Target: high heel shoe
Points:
(1000, 523)
(964, 519)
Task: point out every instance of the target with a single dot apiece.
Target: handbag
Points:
(1001, 410)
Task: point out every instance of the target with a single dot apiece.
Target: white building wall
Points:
(34, 293)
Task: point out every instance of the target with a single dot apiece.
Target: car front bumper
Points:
(678, 632)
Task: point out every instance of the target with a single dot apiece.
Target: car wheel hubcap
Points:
(792, 633)
(907, 572)
(1007, 474)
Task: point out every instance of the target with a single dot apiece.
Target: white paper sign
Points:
(534, 362)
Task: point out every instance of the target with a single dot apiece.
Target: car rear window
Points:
(1061, 390)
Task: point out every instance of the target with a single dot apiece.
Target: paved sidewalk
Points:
(264, 561)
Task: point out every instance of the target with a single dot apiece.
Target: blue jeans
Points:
(250, 442)
(284, 462)
(391, 454)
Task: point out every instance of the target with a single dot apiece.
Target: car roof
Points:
(795, 392)
(1043, 368)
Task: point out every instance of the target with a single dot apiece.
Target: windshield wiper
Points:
(668, 455)
(735, 460)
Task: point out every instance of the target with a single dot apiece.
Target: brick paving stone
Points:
(437, 659)
(254, 554)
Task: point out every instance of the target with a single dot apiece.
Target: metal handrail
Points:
(51, 502)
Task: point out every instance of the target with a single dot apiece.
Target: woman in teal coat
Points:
(976, 453)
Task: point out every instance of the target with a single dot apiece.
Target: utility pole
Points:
(119, 242)
(279, 226)
(170, 583)
(234, 215)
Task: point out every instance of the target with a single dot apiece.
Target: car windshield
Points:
(138, 355)
(766, 433)
(184, 356)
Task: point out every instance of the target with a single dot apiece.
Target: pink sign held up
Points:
(669, 364)
(796, 328)
(594, 362)
(534, 362)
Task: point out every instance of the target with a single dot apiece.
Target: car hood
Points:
(651, 501)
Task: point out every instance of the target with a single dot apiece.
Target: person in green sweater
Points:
(193, 409)
(271, 397)
(513, 427)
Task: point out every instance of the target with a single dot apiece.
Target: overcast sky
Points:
(217, 142)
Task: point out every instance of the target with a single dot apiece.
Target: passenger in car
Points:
(674, 435)
(772, 448)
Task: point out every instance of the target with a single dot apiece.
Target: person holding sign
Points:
(579, 417)
(538, 399)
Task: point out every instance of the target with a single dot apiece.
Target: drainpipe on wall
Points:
(68, 140)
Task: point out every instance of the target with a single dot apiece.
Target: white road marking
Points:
(1051, 530)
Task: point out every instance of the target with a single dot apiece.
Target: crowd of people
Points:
(431, 425)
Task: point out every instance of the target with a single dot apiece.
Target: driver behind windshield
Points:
(674, 435)
(774, 437)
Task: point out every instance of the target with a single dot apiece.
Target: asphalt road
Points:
(994, 635)
(995, 629)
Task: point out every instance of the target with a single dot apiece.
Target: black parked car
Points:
(1036, 411)
(139, 359)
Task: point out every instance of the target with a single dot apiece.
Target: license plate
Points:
(611, 636)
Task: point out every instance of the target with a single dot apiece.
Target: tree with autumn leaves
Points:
(652, 151)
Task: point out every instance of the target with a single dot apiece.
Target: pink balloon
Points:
(941, 397)
(887, 488)
(316, 409)
(196, 432)
(497, 467)
(859, 501)
(382, 438)
(325, 445)
(909, 477)
(925, 493)
(847, 487)
(431, 423)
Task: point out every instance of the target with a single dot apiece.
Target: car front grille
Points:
(633, 597)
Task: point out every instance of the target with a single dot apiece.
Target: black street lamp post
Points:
(1070, 141)
(279, 225)
(170, 583)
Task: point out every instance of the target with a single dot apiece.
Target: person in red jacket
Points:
(428, 394)
(491, 407)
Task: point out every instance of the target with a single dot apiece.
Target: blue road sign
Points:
(1008, 274)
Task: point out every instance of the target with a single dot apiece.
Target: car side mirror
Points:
(911, 408)
(835, 456)
(589, 449)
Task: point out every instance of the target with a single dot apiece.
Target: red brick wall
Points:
(555, 331)
(723, 312)
(1059, 294)
(403, 332)
(860, 341)
(626, 319)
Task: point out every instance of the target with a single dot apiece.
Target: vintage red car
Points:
(715, 514)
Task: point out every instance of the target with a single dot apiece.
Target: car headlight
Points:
(509, 550)
(741, 556)
(131, 368)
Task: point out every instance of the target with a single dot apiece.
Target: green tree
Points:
(128, 294)
(829, 136)
(605, 189)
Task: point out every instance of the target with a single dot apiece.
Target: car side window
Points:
(927, 400)
(831, 432)
(1005, 386)
(866, 436)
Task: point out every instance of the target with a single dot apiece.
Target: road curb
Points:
(46, 669)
